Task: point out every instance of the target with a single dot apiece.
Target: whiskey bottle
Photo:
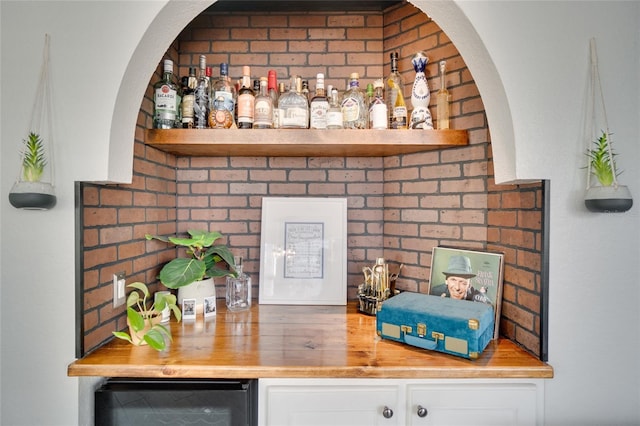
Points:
(223, 97)
(319, 106)
(294, 108)
(272, 90)
(188, 98)
(201, 103)
(378, 117)
(443, 100)
(334, 115)
(165, 99)
(396, 108)
(263, 107)
(354, 114)
(246, 99)
(238, 289)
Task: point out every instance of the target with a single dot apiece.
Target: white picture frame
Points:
(188, 309)
(209, 306)
(303, 251)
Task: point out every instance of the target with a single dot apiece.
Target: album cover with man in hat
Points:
(468, 275)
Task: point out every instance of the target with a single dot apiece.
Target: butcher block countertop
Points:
(274, 341)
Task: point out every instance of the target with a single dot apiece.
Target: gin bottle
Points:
(354, 113)
(378, 108)
(165, 99)
(238, 289)
(334, 115)
(201, 103)
(263, 108)
(294, 107)
(319, 106)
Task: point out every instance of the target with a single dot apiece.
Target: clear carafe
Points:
(238, 294)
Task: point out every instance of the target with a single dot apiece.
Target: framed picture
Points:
(209, 306)
(188, 309)
(303, 251)
(469, 275)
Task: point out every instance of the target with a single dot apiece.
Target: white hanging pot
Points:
(32, 195)
(608, 199)
(197, 290)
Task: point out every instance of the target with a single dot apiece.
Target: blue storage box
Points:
(457, 327)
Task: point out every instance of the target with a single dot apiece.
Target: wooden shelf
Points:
(302, 142)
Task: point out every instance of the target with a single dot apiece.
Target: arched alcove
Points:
(176, 15)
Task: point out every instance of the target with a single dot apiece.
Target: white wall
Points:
(540, 50)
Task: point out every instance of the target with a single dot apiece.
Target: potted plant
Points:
(609, 196)
(29, 192)
(144, 321)
(193, 275)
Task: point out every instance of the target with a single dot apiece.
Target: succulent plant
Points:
(34, 160)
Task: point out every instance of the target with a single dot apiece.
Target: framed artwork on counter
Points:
(303, 251)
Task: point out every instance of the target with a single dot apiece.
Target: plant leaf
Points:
(136, 320)
(155, 339)
(122, 335)
(180, 272)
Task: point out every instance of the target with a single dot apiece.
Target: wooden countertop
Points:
(273, 341)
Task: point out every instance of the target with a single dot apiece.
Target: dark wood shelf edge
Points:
(302, 142)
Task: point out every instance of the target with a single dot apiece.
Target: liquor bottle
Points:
(334, 115)
(188, 98)
(354, 114)
(443, 100)
(165, 99)
(378, 117)
(368, 99)
(238, 289)
(305, 91)
(222, 97)
(201, 103)
(396, 108)
(263, 108)
(246, 99)
(272, 90)
(420, 95)
(319, 106)
(294, 108)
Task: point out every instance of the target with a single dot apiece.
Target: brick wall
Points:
(400, 207)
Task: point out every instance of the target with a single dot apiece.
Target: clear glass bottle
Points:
(246, 99)
(443, 100)
(238, 289)
(263, 108)
(294, 108)
(165, 99)
(378, 117)
(334, 115)
(201, 103)
(354, 113)
(396, 108)
(272, 90)
(222, 99)
(319, 106)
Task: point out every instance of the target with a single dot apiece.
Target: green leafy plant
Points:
(202, 260)
(602, 160)
(34, 160)
(143, 320)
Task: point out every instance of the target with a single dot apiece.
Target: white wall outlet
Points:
(119, 292)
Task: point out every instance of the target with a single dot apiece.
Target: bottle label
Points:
(245, 108)
(399, 118)
(350, 110)
(318, 115)
(294, 117)
(227, 97)
(187, 108)
(378, 116)
(263, 114)
(334, 119)
(166, 101)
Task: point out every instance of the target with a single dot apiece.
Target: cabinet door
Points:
(473, 404)
(323, 404)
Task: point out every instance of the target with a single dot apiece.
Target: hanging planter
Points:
(31, 191)
(609, 195)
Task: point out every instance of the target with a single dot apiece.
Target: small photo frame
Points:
(209, 306)
(469, 275)
(303, 251)
(188, 309)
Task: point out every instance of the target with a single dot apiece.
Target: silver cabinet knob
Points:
(422, 412)
(387, 412)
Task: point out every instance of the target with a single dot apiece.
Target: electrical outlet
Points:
(119, 292)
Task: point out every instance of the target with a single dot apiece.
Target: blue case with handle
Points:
(457, 327)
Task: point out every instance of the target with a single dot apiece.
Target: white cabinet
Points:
(353, 402)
